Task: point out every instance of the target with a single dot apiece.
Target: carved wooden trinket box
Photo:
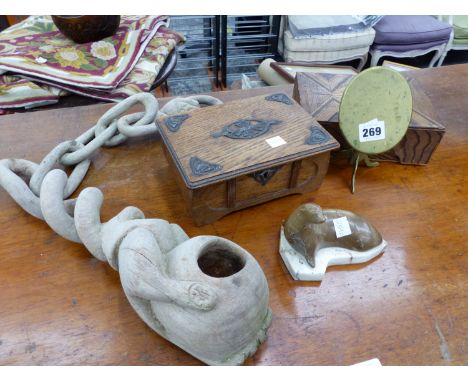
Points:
(320, 94)
(232, 156)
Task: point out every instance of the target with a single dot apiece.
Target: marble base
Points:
(300, 269)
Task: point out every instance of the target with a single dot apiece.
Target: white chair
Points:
(459, 36)
(333, 43)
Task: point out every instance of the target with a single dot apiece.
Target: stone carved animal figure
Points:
(310, 229)
(205, 294)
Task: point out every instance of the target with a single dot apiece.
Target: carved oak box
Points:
(320, 94)
(242, 153)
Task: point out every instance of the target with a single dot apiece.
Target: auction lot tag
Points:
(275, 141)
(372, 131)
(342, 227)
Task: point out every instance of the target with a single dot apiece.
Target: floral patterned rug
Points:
(40, 64)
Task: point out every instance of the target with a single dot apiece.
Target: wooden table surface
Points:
(409, 306)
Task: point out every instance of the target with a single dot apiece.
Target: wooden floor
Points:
(409, 306)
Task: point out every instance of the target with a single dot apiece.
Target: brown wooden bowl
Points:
(82, 29)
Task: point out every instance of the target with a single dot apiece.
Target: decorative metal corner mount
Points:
(279, 97)
(264, 176)
(174, 122)
(317, 136)
(200, 167)
(246, 128)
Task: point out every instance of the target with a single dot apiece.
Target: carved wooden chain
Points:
(41, 190)
(219, 318)
(23, 179)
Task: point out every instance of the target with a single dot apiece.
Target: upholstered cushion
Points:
(460, 27)
(408, 30)
(460, 41)
(319, 25)
(405, 48)
(322, 56)
(329, 42)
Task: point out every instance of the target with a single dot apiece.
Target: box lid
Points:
(221, 142)
(320, 94)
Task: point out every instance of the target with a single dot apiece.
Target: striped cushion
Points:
(322, 56)
(330, 42)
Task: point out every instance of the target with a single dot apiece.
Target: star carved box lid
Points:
(221, 142)
(320, 94)
(424, 113)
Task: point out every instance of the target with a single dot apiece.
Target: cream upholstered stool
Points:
(335, 45)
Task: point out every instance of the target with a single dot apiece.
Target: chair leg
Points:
(437, 55)
(442, 58)
(362, 62)
(444, 54)
(375, 58)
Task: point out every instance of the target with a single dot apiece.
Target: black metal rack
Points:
(199, 57)
(220, 48)
(245, 42)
